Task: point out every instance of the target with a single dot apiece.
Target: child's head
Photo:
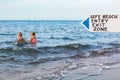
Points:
(19, 34)
(32, 33)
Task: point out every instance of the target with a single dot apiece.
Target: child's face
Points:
(19, 35)
(31, 34)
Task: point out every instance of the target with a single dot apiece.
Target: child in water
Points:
(20, 38)
(33, 38)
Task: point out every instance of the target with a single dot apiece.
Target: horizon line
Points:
(40, 19)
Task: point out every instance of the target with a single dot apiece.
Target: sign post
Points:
(102, 23)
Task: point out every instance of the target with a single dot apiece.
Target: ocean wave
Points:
(59, 49)
(27, 48)
(36, 55)
(33, 55)
(6, 34)
(64, 38)
(19, 49)
(68, 46)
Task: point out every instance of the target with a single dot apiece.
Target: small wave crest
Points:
(68, 46)
(64, 38)
(6, 34)
(34, 55)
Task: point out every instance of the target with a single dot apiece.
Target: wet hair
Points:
(33, 33)
(20, 34)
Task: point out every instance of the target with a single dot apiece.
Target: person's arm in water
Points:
(20, 41)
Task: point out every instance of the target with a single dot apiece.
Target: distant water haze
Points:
(55, 10)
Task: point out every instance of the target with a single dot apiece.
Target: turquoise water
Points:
(56, 39)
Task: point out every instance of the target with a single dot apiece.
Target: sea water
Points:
(56, 40)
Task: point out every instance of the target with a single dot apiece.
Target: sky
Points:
(56, 9)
